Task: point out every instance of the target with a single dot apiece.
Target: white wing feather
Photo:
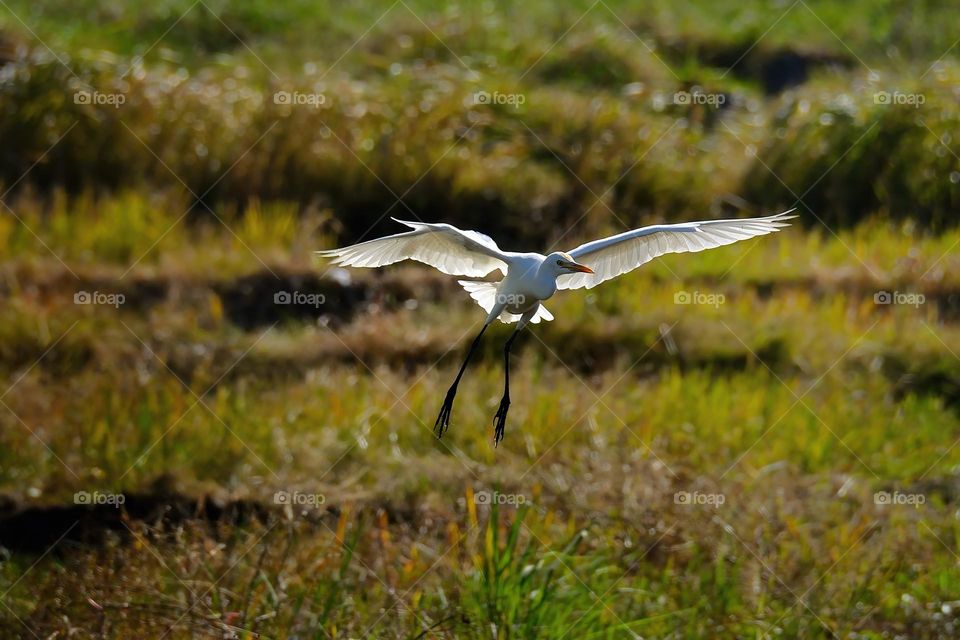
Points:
(443, 246)
(610, 257)
(484, 293)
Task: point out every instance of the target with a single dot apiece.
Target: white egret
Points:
(531, 278)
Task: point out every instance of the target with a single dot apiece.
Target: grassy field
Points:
(756, 441)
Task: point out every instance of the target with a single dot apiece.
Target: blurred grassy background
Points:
(149, 165)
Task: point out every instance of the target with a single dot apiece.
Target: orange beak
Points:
(582, 268)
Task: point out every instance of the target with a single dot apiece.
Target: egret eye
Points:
(560, 263)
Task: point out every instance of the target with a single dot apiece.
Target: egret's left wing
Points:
(443, 246)
(610, 257)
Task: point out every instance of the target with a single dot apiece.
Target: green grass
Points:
(877, 32)
(608, 425)
(669, 470)
(598, 137)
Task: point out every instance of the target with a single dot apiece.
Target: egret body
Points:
(530, 278)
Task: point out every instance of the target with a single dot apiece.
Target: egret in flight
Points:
(530, 278)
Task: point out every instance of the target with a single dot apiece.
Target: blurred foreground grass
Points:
(448, 117)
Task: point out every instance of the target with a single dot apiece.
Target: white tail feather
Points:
(485, 295)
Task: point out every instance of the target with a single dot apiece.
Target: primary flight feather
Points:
(531, 278)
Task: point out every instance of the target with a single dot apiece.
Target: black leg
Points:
(500, 419)
(443, 420)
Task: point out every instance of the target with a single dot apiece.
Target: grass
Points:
(524, 572)
(776, 459)
(609, 425)
(879, 33)
(598, 136)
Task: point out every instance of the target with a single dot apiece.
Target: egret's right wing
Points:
(609, 257)
(443, 246)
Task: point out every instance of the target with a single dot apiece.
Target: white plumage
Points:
(531, 278)
(485, 294)
(610, 257)
(443, 246)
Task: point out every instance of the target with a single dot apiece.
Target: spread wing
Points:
(443, 246)
(609, 257)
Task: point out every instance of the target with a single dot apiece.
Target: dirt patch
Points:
(35, 529)
(932, 377)
(50, 285)
(262, 298)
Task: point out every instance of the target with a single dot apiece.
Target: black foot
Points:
(443, 420)
(500, 420)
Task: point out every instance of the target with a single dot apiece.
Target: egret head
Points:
(562, 263)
